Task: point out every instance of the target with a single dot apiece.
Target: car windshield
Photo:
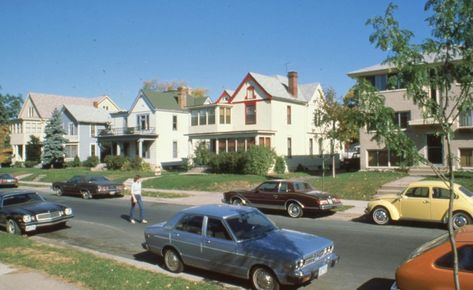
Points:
(97, 178)
(250, 225)
(429, 245)
(6, 176)
(26, 197)
(466, 191)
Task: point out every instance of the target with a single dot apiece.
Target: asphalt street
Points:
(369, 253)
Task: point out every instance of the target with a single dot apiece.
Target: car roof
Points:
(14, 191)
(465, 234)
(430, 183)
(221, 210)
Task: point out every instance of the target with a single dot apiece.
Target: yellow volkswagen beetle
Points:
(423, 201)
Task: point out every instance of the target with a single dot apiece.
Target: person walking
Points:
(136, 199)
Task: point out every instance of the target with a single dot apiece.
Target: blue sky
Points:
(91, 48)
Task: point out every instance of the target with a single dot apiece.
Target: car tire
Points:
(380, 216)
(237, 201)
(294, 210)
(263, 278)
(86, 194)
(58, 191)
(12, 227)
(460, 219)
(173, 261)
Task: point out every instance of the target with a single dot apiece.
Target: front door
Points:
(434, 149)
(415, 204)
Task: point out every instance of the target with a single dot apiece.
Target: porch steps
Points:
(398, 185)
(424, 171)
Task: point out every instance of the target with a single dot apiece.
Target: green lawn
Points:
(86, 269)
(50, 175)
(359, 185)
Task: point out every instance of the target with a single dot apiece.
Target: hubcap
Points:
(460, 221)
(10, 227)
(172, 261)
(236, 201)
(263, 279)
(380, 216)
(294, 210)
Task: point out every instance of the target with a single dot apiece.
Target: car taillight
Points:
(323, 202)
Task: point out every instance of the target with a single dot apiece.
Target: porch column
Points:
(140, 148)
(119, 149)
(216, 145)
(23, 152)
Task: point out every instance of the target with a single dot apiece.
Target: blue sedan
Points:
(242, 242)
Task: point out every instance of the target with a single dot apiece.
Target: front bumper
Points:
(34, 225)
(312, 271)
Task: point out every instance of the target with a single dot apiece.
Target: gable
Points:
(28, 110)
(107, 104)
(141, 104)
(249, 90)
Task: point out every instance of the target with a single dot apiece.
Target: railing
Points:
(466, 119)
(126, 131)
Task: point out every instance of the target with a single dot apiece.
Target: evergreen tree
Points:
(53, 153)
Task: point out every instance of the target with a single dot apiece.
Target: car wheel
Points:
(86, 194)
(294, 210)
(58, 191)
(263, 278)
(13, 227)
(237, 201)
(172, 261)
(380, 216)
(460, 219)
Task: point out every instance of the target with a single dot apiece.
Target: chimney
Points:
(96, 104)
(182, 97)
(292, 83)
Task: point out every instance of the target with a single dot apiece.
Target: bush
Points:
(115, 162)
(74, 163)
(31, 163)
(280, 166)
(259, 160)
(227, 162)
(202, 154)
(136, 164)
(18, 164)
(92, 161)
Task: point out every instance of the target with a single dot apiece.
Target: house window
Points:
(231, 145)
(250, 114)
(93, 148)
(241, 145)
(250, 93)
(311, 147)
(202, 117)
(321, 146)
(142, 122)
(466, 157)
(289, 147)
(174, 122)
(225, 115)
(379, 81)
(228, 115)
(71, 129)
(194, 118)
(30, 111)
(174, 149)
(265, 141)
(93, 130)
(402, 119)
(70, 151)
(289, 119)
(211, 116)
(383, 158)
(222, 145)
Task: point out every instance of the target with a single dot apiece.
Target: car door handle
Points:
(209, 242)
(425, 201)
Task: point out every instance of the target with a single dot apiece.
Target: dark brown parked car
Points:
(88, 186)
(8, 180)
(295, 197)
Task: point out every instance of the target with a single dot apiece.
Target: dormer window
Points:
(250, 93)
(30, 111)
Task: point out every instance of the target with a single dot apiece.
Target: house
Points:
(410, 118)
(274, 111)
(81, 124)
(155, 128)
(36, 111)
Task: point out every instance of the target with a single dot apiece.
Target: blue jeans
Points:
(139, 202)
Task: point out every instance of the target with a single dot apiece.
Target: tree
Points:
(441, 64)
(53, 153)
(162, 86)
(33, 149)
(9, 107)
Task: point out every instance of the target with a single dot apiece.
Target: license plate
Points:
(30, 228)
(323, 270)
(112, 192)
(330, 201)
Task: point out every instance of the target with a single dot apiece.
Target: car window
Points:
(283, 187)
(466, 191)
(441, 193)
(269, 186)
(250, 225)
(418, 192)
(191, 224)
(301, 186)
(465, 259)
(75, 179)
(21, 198)
(216, 229)
(97, 178)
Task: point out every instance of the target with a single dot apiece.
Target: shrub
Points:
(135, 164)
(202, 154)
(92, 161)
(259, 160)
(280, 166)
(18, 164)
(74, 163)
(227, 162)
(30, 163)
(115, 162)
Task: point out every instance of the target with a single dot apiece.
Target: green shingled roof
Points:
(168, 100)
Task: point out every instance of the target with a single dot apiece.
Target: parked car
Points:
(424, 201)
(26, 211)
(242, 242)
(430, 267)
(88, 186)
(295, 197)
(8, 180)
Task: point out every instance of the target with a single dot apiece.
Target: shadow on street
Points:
(377, 284)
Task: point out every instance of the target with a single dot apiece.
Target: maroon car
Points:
(295, 197)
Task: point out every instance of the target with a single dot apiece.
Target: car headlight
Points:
(68, 211)
(299, 264)
(26, 218)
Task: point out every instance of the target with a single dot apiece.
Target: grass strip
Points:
(85, 269)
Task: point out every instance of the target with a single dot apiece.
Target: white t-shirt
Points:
(136, 188)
